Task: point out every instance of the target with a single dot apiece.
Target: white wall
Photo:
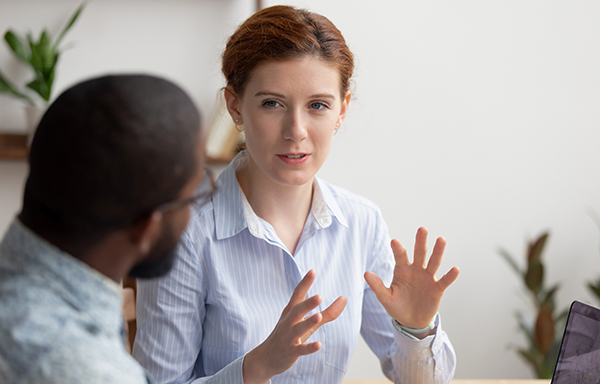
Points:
(477, 119)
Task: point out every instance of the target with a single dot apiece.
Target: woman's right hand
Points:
(287, 341)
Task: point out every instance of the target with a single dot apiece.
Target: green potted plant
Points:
(41, 56)
(542, 337)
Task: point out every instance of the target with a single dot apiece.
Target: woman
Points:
(275, 231)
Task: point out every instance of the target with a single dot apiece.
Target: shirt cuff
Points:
(425, 348)
(232, 373)
(411, 332)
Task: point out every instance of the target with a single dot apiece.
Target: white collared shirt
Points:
(233, 277)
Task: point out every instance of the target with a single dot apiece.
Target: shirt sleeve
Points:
(431, 360)
(170, 317)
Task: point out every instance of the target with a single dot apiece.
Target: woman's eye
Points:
(270, 103)
(318, 106)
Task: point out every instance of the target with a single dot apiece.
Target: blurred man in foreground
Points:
(115, 164)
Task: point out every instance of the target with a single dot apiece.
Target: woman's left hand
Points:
(414, 295)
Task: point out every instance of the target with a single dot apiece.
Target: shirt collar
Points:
(325, 207)
(233, 213)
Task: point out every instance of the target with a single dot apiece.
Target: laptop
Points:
(579, 356)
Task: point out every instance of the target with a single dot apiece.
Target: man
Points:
(114, 166)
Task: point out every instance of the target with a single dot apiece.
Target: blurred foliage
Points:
(542, 337)
(594, 286)
(41, 55)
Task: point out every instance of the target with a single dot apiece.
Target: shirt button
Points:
(424, 351)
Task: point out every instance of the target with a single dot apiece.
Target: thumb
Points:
(377, 286)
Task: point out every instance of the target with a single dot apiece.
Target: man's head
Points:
(106, 154)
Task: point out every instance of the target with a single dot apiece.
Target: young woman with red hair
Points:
(276, 278)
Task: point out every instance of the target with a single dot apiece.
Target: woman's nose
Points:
(295, 127)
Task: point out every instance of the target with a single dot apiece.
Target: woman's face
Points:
(290, 111)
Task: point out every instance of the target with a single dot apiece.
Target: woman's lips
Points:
(294, 158)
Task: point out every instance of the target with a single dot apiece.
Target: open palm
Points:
(414, 295)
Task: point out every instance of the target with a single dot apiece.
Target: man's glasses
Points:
(200, 198)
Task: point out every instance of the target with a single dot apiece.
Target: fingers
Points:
(300, 310)
(286, 343)
(295, 311)
(301, 290)
(307, 349)
(400, 253)
(304, 329)
(449, 278)
(317, 320)
(334, 310)
(436, 256)
(376, 284)
(421, 247)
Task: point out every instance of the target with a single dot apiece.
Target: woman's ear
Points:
(344, 109)
(146, 232)
(232, 101)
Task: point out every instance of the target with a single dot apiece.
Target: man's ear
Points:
(146, 231)
(233, 103)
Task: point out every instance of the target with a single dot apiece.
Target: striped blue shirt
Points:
(233, 276)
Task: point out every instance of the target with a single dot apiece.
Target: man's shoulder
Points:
(56, 350)
(27, 301)
(31, 323)
(79, 365)
(93, 361)
(44, 339)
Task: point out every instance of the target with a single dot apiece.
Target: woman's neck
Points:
(284, 207)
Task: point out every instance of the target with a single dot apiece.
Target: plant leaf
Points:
(45, 52)
(552, 355)
(548, 300)
(534, 277)
(528, 356)
(17, 44)
(544, 330)
(595, 288)
(525, 328)
(41, 87)
(7, 87)
(562, 316)
(49, 81)
(533, 358)
(35, 59)
(534, 252)
(511, 261)
(69, 25)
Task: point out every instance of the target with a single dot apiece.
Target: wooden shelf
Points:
(13, 146)
(219, 160)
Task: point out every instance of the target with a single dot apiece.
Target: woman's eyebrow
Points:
(323, 96)
(269, 93)
(315, 96)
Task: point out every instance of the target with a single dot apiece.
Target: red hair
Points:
(284, 33)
